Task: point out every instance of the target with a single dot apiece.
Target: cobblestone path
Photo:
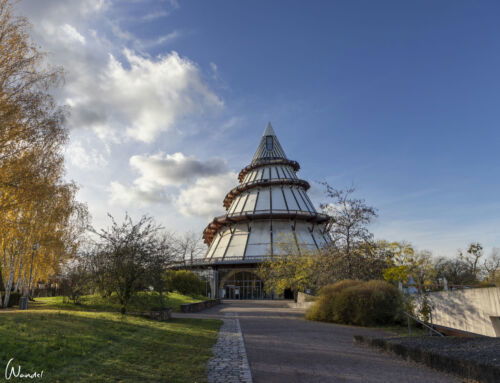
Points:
(230, 363)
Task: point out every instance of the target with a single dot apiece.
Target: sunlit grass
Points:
(81, 346)
(140, 303)
(92, 342)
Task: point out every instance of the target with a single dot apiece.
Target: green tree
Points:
(185, 282)
(292, 268)
(471, 257)
(126, 254)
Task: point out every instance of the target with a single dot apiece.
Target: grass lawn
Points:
(140, 303)
(92, 342)
(80, 346)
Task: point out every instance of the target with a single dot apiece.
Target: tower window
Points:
(269, 143)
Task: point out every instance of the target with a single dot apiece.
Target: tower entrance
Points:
(243, 285)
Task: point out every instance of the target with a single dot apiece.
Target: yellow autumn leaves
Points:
(40, 221)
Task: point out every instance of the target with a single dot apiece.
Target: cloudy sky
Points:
(169, 98)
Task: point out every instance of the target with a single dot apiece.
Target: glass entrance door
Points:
(244, 285)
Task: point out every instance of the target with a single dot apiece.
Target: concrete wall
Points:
(304, 301)
(198, 306)
(471, 310)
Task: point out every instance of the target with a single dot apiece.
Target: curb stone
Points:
(230, 362)
(466, 369)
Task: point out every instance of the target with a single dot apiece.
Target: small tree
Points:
(127, 252)
(492, 266)
(160, 260)
(75, 280)
(350, 219)
(472, 257)
(185, 282)
(292, 269)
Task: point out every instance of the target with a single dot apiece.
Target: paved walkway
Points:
(283, 347)
(230, 363)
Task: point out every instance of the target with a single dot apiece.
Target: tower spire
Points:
(269, 131)
(269, 146)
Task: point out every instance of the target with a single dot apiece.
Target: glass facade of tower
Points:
(268, 213)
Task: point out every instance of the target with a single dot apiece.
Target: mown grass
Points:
(80, 346)
(140, 303)
(92, 342)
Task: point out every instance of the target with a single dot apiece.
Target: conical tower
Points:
(270, 206)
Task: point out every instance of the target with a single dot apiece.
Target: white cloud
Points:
(164, 39)
(118, 93)
(120, 97)
(155, 15)
(135, 196)
(72, 34)
(142, 100)
(83, 157)
(173, 169)
(205, 197)
(197, 187)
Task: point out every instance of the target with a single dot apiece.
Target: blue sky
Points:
(398, 98)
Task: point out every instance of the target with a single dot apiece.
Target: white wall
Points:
(472, 310)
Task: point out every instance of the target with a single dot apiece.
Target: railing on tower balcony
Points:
(262, 183)
(302, 215)
(225, 260)
(264, 162)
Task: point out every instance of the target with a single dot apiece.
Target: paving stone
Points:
(230, 363)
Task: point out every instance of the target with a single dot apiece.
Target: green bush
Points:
(359, 303)
(185, 282)
(323, 309)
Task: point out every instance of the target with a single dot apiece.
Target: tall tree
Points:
(189, 246)
(351, 216)
(39, 217)
(471, 257)
(491, 266)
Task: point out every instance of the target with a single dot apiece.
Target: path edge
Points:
(463, 368)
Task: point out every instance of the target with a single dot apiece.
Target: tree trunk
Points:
(19, 276)
(8, 288)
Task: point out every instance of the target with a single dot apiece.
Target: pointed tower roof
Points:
(268, 208)
(269, 147)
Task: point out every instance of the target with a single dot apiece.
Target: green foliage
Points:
(397, 273)
(292, 268)
(324, 307)
(360, 303)
(185, 282)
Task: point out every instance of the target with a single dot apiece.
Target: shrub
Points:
(323, 309)
(359, 303)
(185, 282)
